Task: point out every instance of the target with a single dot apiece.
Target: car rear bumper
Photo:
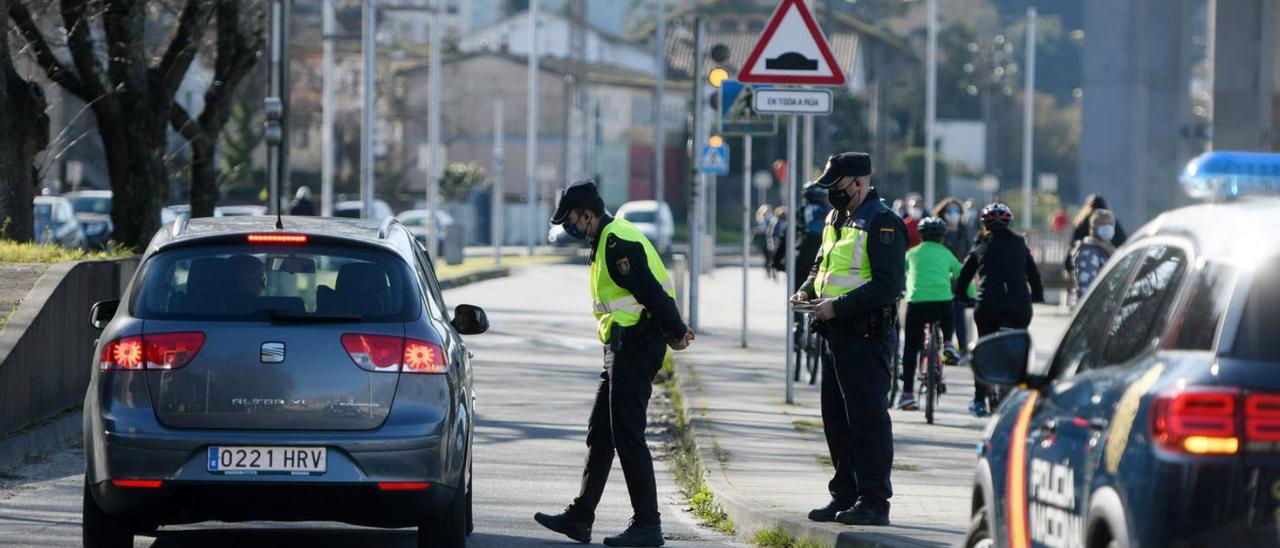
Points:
(356, 503)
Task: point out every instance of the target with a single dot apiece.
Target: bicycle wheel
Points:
(931, 364)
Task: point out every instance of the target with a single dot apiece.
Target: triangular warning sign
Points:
(792, 50)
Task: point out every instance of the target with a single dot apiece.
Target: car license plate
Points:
(298, 461)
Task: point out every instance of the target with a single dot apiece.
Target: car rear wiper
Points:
(279, 316)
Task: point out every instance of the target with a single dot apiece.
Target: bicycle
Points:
(929, 369)
(808, 347)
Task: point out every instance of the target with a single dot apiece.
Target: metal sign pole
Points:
(366, 144)
(790, 200)
(499, 169)
(746, 228)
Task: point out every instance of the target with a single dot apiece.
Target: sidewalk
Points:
(767, 461)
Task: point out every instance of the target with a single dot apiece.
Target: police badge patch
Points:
(624, 266)
(886, 234)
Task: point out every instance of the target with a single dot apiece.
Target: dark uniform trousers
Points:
(855, 415)
(617, 425)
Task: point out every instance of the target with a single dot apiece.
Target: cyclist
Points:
(931, 269)
(959, 240)
(811, 220)
(1008, 282)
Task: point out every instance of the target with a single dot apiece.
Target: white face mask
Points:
(915, 213)
(1106, 232)
(952, 217)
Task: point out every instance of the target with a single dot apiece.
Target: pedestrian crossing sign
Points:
(714, 160)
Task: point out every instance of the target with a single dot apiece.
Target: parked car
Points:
(56, 224)
(248, 210)
(1156, 420)
(351, 210)
(93, 211)
(250, 373)
(417, 220)
(653, 219)
(171, 212)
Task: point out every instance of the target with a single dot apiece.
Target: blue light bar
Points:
(1227, 175)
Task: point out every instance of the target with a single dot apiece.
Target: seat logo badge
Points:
(272, 352)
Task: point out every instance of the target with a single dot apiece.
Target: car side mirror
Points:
(470, 320)
(1004, 359)
(102, 312)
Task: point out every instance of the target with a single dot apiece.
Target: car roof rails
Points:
(180, 224)
(384, 228)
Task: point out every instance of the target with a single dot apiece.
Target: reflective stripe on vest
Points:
(610, 303)
(844, 266)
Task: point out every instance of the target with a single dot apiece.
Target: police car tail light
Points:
(1262, 418)
(1197, 420)
(374, 352)
(424, 357)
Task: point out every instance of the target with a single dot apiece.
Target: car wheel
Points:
(448, 530)
(471, 523)
(979, 533)
(102, 530)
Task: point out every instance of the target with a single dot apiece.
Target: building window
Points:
(728, 25)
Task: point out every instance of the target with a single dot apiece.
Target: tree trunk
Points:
(135, 147)
(24, 131)
(204, 176)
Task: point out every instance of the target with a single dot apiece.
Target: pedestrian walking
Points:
(778, 239)
(854, 287)
(914, 212)
(633, 301)
(1080, 227)
(931, 269)
(764, 217)
(958, 239)
(1091, 253)
(302, 203)
(1008, 282)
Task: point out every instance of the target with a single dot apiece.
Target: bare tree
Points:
(129, 89)
(24, 131)
(237, 46)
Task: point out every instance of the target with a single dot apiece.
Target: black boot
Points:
(637, 535)
(567, 524)
(828, 512)
(866, 513)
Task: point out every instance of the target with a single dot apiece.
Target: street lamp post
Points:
(931, 107)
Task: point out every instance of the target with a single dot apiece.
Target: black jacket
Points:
(629, 267)
(1006, 272)
(887, 251)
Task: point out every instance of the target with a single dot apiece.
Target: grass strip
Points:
(29, 252)
(778, 538)
(685, 462)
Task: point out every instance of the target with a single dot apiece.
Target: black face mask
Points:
(839, 199)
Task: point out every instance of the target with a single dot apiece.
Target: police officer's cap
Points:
(846, 164)
(580, 195)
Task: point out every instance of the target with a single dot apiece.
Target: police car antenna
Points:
(279, 211)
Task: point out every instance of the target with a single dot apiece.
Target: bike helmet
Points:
(996, 215)
(815, 193)
(932, 228)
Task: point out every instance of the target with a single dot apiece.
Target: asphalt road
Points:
(536, 372)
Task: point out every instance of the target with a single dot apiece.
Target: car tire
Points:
(102, 530)
(448, 530)
(979, 532)
(471, 523)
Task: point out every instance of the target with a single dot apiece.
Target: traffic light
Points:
(716, 141)
(717, 76)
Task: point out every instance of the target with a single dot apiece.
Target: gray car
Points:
(309, 373)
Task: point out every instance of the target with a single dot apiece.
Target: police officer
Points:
(855, 284)
(633, 301)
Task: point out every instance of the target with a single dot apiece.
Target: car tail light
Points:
(277, 238)
(388, 354)
(374, 352)
(1262, 418)
(171, 350)
(137, 483)
(158, 351)
(1198, 421)
(403, 485)
(424, 357)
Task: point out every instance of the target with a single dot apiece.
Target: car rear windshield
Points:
(642, 216)
(286, 282)
(1261, 319)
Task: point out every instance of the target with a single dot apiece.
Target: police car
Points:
(1156, 420)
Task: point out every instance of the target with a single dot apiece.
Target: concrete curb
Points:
(477, 276)
(40, 438)
(750, 516)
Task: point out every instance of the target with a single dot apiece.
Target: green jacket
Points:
(931, 269)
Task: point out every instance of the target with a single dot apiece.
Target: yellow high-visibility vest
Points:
(610, 303)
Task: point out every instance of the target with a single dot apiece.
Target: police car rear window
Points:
(1261, 319)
